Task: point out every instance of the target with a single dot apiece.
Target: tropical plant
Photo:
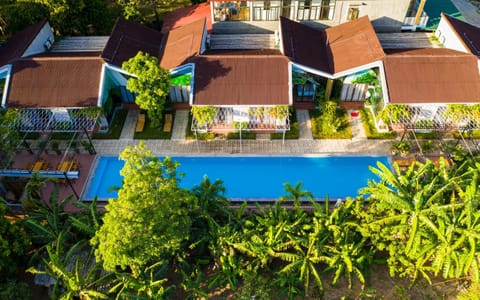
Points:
(296, 194)
(151, 85)
(394, 113)
(205, 115)
(279, 112)
(149, 283)
(76, 273)
(400, 147)
(330, 122)
(46, 221)
(404, 211)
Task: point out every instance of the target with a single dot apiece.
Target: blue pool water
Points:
(255, 177)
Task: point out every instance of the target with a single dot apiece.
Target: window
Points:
(266, 4)
(353, 13)
(307, 4)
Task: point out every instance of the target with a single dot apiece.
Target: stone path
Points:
(358, 132)
(180, 123)
(178, 145)
(304, 125)
(469, 11)
(128, 130)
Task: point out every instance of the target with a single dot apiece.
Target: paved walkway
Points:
(357, 145)
(180, 125)
(469, 11)
(304, 125)
(128, 130)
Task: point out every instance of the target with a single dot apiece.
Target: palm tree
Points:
(76, 272)
(295, 193)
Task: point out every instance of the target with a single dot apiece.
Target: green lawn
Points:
(115, 126)
(154, 133)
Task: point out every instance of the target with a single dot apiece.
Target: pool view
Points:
(254, 177)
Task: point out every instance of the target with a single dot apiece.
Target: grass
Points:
(293, 133)
(115, 127)
(371, 130)
(154, 133)
(343, 132)
(245, 135)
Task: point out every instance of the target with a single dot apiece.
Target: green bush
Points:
(370, 129)
(322, 125)
(245, 135)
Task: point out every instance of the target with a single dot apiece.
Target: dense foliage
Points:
(151, 85)
(158, 240)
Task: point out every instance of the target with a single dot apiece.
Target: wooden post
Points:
(419, 12)
(328, 89)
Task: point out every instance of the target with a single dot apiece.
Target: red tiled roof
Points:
(435, 75)
(241, 80)
(127, 39)
(467, 33)
(19, 42)
(334, 49)
(56, 81)
(187, 15)
(182, 43)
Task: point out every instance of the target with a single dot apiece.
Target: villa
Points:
(75, 84)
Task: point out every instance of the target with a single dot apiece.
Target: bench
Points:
(167, 126)
(140, 123)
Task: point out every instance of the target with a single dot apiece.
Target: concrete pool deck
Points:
(305, 145)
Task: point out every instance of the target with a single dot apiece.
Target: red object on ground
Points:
(354, 114)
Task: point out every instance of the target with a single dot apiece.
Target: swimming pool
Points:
(254, 177)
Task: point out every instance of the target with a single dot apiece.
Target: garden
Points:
(392, 246)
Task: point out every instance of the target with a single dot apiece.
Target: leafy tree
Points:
(150, 219)
(14, 244)
(79, 17)
(10, 138)
(17, 16)
(151, 85)
(132, 9)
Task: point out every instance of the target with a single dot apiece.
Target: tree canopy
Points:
(151, 85)
(149, 220)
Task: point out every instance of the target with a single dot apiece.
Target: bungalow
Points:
(247, 88)
(458, 35)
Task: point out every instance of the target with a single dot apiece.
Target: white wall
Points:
(38, 43)
(386, 15)
(448, 37)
